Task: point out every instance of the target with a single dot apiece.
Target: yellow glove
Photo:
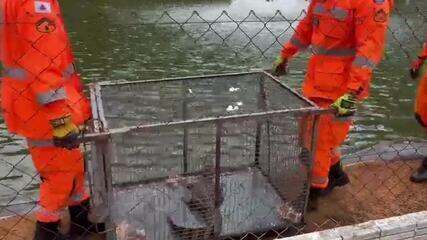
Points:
(65, 133)
(345, 106)
(280, 66)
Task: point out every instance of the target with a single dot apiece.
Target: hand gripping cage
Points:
(208, 157)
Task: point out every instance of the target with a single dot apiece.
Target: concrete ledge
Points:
(420, 231)
(410, 226)
(420, 238)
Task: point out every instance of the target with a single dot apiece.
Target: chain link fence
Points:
(383, 149)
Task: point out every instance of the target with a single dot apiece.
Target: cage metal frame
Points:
(103, 152)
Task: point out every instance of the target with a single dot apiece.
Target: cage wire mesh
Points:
(205, 171)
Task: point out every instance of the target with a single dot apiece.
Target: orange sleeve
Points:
(302, 36)
(371, 21)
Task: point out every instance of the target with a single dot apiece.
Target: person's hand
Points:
(416, 67)
(65, 133)
(345, 106)
(280, 66)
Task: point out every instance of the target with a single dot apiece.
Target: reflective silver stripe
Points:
(339, 13)
(39, 143)
(52, 96)
(319, 9)
(337, 52)
(364, 62)
(50, 215)
(16, 73)
(69, 71)
(76, 197)
(297, 43)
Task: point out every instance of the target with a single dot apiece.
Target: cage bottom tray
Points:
(161, 209)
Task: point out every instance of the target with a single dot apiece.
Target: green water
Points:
(115, 40)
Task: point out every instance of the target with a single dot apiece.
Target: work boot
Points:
(80, 224)
(48, 231)
(313, 199)
(337, 178)
(421, 174)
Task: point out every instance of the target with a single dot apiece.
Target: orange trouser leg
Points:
(421, 102)
(63, 183)
(332, 132)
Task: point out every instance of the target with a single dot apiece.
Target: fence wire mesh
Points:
(379, 155)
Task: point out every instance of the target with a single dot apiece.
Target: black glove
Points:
(280, 66)
(415, 68)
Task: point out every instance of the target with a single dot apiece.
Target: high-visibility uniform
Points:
(40, 84)
(421, 100)
(346, 38)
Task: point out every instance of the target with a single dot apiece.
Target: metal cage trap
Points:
(210, 157)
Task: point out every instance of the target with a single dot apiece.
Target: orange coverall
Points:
(40, 84)
(347, 39)
(421, 100)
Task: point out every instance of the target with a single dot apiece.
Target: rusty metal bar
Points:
(277, 80)
(98, 95)
(185, 137)
(95, 165)
(108, 157)
(238, 117)
(190, 78)
(313, 141)
(262, 104)
(217, 174)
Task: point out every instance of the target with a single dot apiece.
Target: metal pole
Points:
(294, 92)
(217, 176)
(257, 143)
(217, 163)
(313, 141)
(268, 148)
(96, 167)
(262, 104)
(185, 137)
(104, 154)
(108, 157)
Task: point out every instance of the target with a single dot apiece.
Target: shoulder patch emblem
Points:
(380, 16)
(45, 25)
(42, 7)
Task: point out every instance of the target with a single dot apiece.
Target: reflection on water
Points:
(291, 8)
(113, 40)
